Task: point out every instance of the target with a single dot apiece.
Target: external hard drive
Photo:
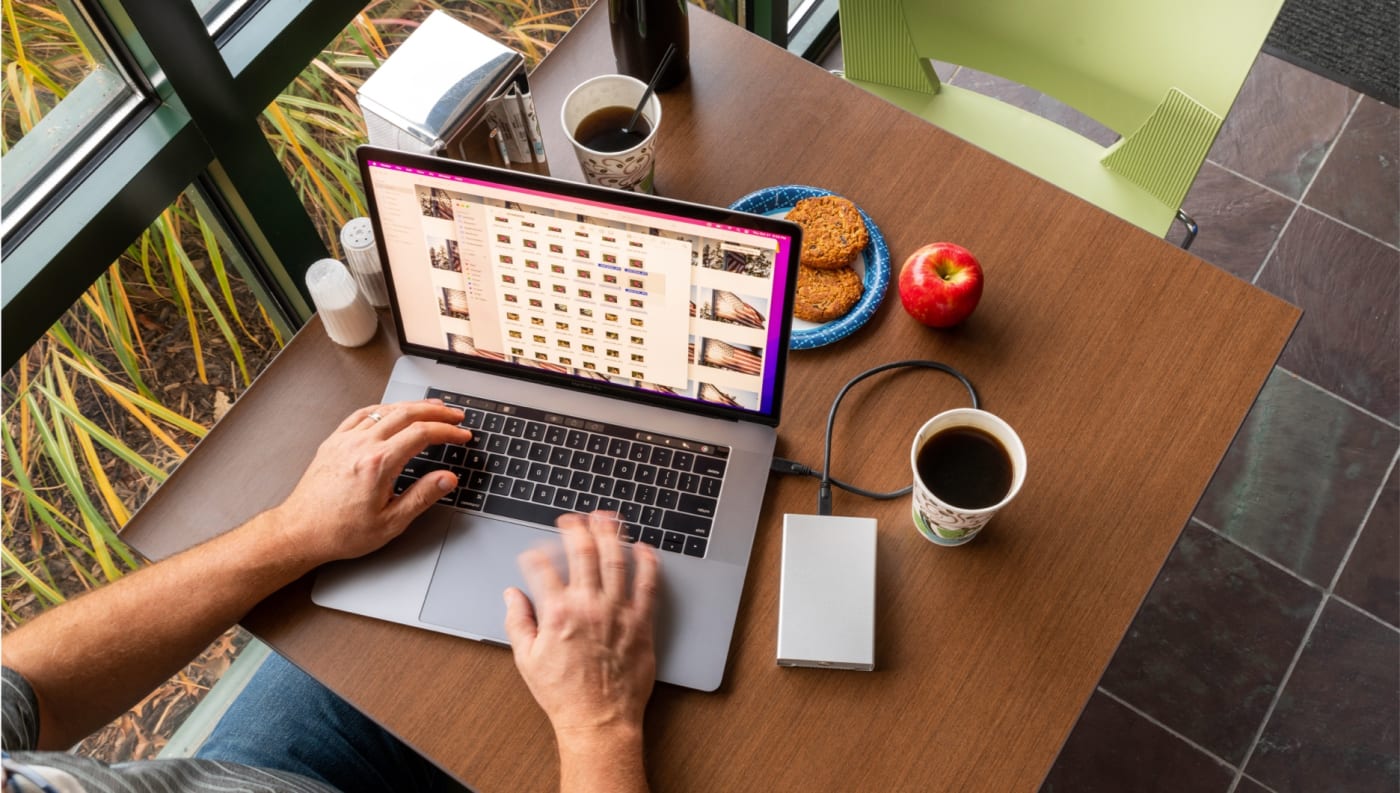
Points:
(826, 606)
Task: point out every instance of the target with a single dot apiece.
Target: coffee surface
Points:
(602, 130)
(965, 467)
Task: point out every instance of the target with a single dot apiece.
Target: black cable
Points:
(827, 480)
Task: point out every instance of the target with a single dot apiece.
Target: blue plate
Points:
(873, 263)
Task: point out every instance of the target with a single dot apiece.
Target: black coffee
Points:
(601, 130)
(965, 467)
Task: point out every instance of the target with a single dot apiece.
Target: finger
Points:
(399, 415)
(540, 576)
(581, 551)
(612, 562)
(354, 419)
(647, 581)
(521, 627)
(423, 494)
(417, 437)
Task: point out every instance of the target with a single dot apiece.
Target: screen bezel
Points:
(626, 200)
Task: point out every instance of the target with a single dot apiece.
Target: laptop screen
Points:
(663, 300)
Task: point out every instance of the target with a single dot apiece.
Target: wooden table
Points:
(1126, 365)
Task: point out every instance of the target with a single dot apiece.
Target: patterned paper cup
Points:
(630, 169)
(941, 522)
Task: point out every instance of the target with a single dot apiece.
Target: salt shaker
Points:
(345, 313)
(357, 238)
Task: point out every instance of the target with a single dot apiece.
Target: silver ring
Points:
(375, 415)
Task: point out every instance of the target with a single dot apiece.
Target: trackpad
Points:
(477, 563)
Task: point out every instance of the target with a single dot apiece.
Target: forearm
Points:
(91, 659)
(602, 764)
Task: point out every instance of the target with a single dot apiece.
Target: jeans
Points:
(286, 720)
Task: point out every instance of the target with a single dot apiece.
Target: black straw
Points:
(651, 87)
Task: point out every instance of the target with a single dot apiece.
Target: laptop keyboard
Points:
(534, 465)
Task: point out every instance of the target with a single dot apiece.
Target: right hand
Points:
(585, 648)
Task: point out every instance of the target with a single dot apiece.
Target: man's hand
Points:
(344, 506)
(585, 650)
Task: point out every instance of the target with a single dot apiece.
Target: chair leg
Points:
(1191, 229)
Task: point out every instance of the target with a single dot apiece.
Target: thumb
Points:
(521, 627)
(423, 494)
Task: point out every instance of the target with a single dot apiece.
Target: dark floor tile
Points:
(1248, 785)
(1295, 484)
(1014, 93)
(1214, 637)
(1337, 723)
(1348, 286)
(1360, 182)
(1113, 749)
(1239, 220)
(1371, 579)
(1281, 125)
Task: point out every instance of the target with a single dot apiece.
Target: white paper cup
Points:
(941, 522)
(630, 169)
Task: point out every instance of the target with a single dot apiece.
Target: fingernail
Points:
(444, 482)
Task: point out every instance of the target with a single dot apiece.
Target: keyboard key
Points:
(668, 499)
(602, 486)
(555, 435)
(496, 463)
(478, 440)
(449, 499)
(500, 485)
(689, 483)
(660, 456)
(517, 468)
(539, 452)
(522, 489)
(697, 505)
(498, 444)
(544, 494)
(432, 452)
(673, 542)
(519, 447)
(581, 481)
(559, 477)
(417, 467)
(695, 546)
(585, 502)
(668, 477)
(515, 427)
(651, 516)
(578, 439)
(598, 444)
(688, 524)
(563, 498)
(609, 504)
(473, 419)
(493, 422)
(522, 510)
(403, 483)
(534, 431)
(709, 486)
(646, 494)
(618, 448)
(708, 466)
(603, 466)
(623, 489)
(475, 459)
(471, 499)
(560, 456)
(629, 532)
(581, 461)
(539, 472)
(479, 480)
(622, 469)
(681, 461)
(640, 452)
(454, 454)
(652, 537)
(630, 511)
(646, 474)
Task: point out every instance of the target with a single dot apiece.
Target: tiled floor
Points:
(1267, 655)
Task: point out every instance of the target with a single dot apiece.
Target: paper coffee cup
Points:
(629, 169)
(961, 454)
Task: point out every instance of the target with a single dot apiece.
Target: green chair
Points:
(1161, 75)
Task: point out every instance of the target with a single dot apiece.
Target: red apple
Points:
(940, 284)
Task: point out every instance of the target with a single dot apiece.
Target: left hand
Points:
(344, 506)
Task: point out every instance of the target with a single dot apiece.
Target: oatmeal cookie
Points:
(832, 231)
(824, 295)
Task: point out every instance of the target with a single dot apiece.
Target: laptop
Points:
(610, 351)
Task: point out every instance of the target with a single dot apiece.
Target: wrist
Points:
(599, 740)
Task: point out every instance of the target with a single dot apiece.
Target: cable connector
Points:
(791, 468)
(824, 499)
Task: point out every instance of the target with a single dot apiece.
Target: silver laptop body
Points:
(446, 573)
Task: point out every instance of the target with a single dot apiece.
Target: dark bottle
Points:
(641, 32)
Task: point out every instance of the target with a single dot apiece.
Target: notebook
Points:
(610, 351)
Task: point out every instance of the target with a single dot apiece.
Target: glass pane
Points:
(217, 14)
(59, 95)
(315, 124)
(106, 404)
